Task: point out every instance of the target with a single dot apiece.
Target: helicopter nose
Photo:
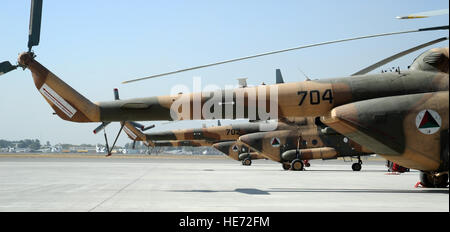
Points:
(253, 140)
(222, 147)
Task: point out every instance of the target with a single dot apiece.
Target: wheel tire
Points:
(426, 180)
(286, 166)
(442, 181)
(247, 162)
(429, 181)
(356, 167)
(297, 165)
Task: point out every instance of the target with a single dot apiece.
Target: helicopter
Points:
(228, 147)
(285, 144)
(402, 115)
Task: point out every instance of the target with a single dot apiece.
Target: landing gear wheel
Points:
(247, 162)
(356, 167)
(297, 165)
(431, 181)
(286, 166)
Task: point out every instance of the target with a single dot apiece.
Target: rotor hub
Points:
(25, 58)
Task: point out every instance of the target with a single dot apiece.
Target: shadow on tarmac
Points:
(252, 191)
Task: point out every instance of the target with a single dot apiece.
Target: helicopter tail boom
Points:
(67, 102)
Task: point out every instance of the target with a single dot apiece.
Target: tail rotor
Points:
(33, 35)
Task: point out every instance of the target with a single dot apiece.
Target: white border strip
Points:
(62, 104)
(129, 132)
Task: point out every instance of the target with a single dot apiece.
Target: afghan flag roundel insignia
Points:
(275, 142)
(428, 121)
(235, 148)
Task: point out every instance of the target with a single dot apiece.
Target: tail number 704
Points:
(315, 96)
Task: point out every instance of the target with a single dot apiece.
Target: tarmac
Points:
(81, 183)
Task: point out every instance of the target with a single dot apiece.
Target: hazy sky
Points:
(95, 45)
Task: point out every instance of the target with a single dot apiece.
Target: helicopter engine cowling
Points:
(433, 60)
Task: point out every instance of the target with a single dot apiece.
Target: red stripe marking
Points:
(57, 102)
(60, 104)
(52, 99)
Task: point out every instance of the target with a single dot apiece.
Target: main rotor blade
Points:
(289, 49)
(398, 55)
(35, 23)
(5, 67)
(425, 14)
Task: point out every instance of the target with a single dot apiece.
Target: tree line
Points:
(33, 144)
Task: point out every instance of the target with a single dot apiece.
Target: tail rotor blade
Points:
(35, 23)
(6, 67)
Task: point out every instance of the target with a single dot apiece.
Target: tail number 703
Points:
(315, 96)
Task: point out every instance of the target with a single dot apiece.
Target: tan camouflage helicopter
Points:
(292, 144)
(306, 141)
(238, 152)
(402, 116)
(223, 138)
(193, 138)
